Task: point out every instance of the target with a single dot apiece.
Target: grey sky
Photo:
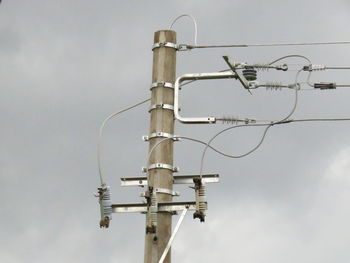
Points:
(66, 65)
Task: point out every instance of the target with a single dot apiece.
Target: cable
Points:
(246, 125)
(290, 56)
(337, 67)
(184, 138)
(269, 125)
(101, 132)
(270, 45)
(194, 23)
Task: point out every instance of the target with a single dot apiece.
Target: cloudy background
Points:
(66, 65)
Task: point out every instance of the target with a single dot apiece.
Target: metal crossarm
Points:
(178, 179)
(162, 207)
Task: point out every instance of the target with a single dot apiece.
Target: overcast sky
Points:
(66, 65)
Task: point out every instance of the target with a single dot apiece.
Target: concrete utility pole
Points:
(159, 206)
(160, 166)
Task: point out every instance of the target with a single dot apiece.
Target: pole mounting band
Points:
(162, 84)
(159, 134)
(161, 106)
(161, 166)
(165, 44)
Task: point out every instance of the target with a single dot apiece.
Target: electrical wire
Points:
(184, 138)
(337, 67)
(194, 23)
(268, 126)
(290, 56)
(101, 133)
(249, 125)
(270, 45)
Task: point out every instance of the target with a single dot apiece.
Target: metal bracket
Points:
(161, 106)
(162, 84)
(197, 76)
(161, 166)
(178, 179)
(162, 207)
(165, 44)
(173, 235)
(240, 77)
(160, 134)
(166, 191)
(161, 191)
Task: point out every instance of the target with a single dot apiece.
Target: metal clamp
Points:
(161, 191)
(162, 84)
(166, 191)
(161, 106)
(165, 44)
(160, 134)
(161, 166)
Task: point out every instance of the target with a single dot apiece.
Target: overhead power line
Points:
(269, 44)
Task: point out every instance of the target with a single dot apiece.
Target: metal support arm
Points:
(197, 76)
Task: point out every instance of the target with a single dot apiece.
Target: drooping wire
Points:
(101, 133)
(194, 23)
(290, 56)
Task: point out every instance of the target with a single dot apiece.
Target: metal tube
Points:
(197, 76)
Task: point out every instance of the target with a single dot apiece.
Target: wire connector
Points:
(325, 85)
(314, 67)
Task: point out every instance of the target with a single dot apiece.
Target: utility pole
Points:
(160, 166)
(159, 206)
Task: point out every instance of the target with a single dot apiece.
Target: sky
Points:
(66, 65)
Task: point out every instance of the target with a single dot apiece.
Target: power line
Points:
(268, 45)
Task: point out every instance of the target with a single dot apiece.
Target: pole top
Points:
(165, 36)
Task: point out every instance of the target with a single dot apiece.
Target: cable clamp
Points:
(162, 84)
(183, 47)
(161, 106)
(161, 166)
(164, 44)
(325, 85)
(160, 134)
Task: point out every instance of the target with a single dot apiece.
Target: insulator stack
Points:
(249, 73)
(260, 66)
(201, 204)
(104, 194)
(273, 85)
(153, 210)
(236, 120)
